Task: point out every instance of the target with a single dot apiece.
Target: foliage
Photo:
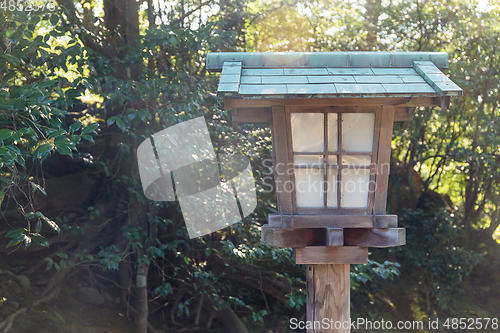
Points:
(86, 83)
(433, 254)
(34, 100)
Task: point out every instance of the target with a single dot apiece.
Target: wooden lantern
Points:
(331, 115)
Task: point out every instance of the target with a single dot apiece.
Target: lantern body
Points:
(327, 163)
(333, 158)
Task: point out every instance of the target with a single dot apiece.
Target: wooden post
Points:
(328, 298)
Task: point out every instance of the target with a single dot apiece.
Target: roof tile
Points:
(378, 79)
(263, 71)
(360, 88)
(311, 89)
(267, 89)
(331, 79)
(283, 79)
(350, 71)
(408, 88)
(251, 79)
(412, 79)
(306, 71)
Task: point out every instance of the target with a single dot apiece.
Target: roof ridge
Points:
(357, 59)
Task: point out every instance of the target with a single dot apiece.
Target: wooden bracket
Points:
(234, 121)
(445, 102)
(334, 237)
(293, 237)
(375, 237)
(227, 103)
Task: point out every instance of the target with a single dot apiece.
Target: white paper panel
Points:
(331, 198)
(354, 188)
(332, 160)
(360, 160)
(307, 132)
(333, 136)
(357, 132)
(316, 160)
(309, 188)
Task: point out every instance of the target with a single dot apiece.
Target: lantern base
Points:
(333, 237)
(340, 221)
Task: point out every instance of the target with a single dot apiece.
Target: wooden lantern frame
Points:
(288, 201)
(318, 235)
(269, 88)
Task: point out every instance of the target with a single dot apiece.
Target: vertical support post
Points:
(328, 298)
(384, 160)
(282, 166)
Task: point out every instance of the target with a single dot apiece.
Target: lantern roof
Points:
(251, 75)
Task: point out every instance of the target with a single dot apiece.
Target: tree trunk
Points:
(373, 9)
(141, 318)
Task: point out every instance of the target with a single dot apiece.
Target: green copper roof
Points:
(332, 74)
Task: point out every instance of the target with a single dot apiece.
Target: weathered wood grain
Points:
(332, 221)
(399, 101)
(383, 163)
(334, 237)
(373, 171)
(331, 255)
(288, 123)
(252, 115)
(328, 296)
(284, 185)
(379, 238)
(279, 237)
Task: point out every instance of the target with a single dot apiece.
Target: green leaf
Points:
(2, 196)
(63, 141)
(62, 255)
(15, 232)
(39, 239)
(50, 263)
(5, 133)
(111, 120)
(42, 149)
(18, 239)
(38, 187)
(120, 123)
(52, 224)
(64, 150)
(88, 137)
(35, 19)
(38, 226)
(4, 151)
(47, 83)
(8, 76)
(75, 138)
(54, 19)
(75, 126)
(90, 128)
(72, 93)
(56, 133)
(29, 215)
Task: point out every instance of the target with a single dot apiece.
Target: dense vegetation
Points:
(84, 82)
